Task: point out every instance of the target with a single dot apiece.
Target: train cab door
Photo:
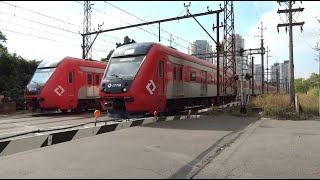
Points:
(177, 80)
(160, 85)
(203, 82)
(89, 85)
(161, 78)
(96, 84)
(71, 88)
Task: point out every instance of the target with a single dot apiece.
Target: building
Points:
(257, 71)
(273, 74)
(201, 47)
(239, 43)
(284, 75)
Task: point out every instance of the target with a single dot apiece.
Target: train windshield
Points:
(124, 67)
(41, 76)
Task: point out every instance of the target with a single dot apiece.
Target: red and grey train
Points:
(69, 84)
(145, 77)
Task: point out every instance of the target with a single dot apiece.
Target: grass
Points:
(278, 106)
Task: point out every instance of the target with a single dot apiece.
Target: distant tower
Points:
(229, 64)
(87, 29)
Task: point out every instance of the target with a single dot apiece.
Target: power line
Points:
(39, 23)
(120, 19)
(47, 25)
(58, 34)
(40, 14)
(38, 29)
(129, 14)
(142, 28)
(47, 39)
(143, 20)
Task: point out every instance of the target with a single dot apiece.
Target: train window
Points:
(89, 78)
(192, 75)
(97, 79)
(174, 73)
(70, 77)
(161, 69)
(212, 78)
(181, 68)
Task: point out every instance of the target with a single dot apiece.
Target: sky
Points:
(50, 30)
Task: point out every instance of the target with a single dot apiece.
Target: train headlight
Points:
(124, 89)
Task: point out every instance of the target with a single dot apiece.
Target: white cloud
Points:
(278, 43)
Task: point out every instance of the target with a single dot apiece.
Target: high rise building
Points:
(284, 75)
(201, 47)
(273, 75)
(257, 73)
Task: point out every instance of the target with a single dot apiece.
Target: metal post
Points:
(252, 83)
(218, 63)
(277, 79)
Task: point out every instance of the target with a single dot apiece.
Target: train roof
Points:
(52, 64)
(144, 47)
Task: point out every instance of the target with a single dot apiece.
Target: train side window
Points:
(160, 69)
(89, 78)
(212, 78)
(70, 77)
(192, 75)
(97, 79)
(181, 69)
(174, 73)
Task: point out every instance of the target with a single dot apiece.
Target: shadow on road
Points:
(209, 122)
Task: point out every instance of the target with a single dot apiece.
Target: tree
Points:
(15, 73)
(126, 40)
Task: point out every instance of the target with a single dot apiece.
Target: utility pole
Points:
(252, 71)
(218, 51)
(262, 54)
(267, 70)
(291, 64)
(277, 79)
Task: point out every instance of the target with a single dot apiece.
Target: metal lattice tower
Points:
(229, 60)
(87, 29)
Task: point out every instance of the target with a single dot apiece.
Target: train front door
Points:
(160, 85)
(71, 88)
(178, 80)
(204, 86)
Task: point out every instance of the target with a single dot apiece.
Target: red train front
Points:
(69, 84)
(145, 77)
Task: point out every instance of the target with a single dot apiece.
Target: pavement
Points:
(270, 149)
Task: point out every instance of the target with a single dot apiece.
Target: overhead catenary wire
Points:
(151, 25)
(40, 23)
(47, 39)
(40, 14)
(57, 33)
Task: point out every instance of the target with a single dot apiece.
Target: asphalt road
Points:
(208, 147)
(169, 149)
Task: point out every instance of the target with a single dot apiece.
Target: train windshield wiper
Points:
(115, 75)
(36, 83)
